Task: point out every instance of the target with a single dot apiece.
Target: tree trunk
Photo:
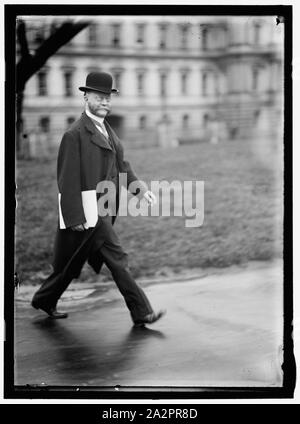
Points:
(19, 124)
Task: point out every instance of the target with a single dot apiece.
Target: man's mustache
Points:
(103, 107)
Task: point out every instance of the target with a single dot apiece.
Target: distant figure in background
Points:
(91, 153)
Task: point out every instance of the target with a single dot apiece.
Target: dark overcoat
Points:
(85, 158)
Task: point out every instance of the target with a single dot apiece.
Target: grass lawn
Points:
(242, 213)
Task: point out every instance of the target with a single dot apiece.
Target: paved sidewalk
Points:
(223, 329)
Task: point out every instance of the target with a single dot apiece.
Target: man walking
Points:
(91, 153)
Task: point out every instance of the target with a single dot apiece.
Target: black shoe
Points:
(51, 311)
(150, 318)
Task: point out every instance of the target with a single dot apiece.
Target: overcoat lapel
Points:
(96, 137)
(110, 134)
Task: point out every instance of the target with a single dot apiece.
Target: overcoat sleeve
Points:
(69, 182)
(125, 167)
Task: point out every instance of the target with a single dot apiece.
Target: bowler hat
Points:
(99, 81)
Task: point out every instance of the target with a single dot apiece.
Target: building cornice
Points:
(164, 55)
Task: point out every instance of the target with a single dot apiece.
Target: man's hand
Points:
(79, 227)
(150, 197)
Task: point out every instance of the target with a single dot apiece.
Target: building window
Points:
(140, 33)
(217, 84)
(92, 34)
(256, 116)
(70, 121)
(184, 83)
(257, 31)
(142, 122)
(44, 124)
(185, 122)
(68, 78)
(163, 36)
(204, 38)
(184, 36)
(204, 83)
(140, 83)
(117, 79)
(42, 83)
(163, 85)
(116, 34)
(255, 76)
(206, 119)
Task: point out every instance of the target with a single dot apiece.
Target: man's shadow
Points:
(81, 363)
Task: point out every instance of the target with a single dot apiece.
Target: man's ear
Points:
(85, 96)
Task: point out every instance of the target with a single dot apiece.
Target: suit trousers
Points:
(104, 242)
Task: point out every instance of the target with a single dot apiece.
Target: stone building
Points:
(181, 78)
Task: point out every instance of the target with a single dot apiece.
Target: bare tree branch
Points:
(29, 64)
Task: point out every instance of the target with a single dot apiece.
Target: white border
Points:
(296, 209)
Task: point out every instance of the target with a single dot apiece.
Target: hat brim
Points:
(113, 90)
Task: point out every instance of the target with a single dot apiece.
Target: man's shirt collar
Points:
(92, 116)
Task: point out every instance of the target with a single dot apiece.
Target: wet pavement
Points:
(223, 328)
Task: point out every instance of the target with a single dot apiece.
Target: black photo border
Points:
(73, 392)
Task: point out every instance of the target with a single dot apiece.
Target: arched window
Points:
(92, 35)
(185, 122)
(163, 84)
(206, 119)
(163, 36)
(204, 83)
(255, 76)
(141, 83)
(256, 32)
(216, 84)
(68, 80)
(204, 38)
(44, 124)
(256, 116)
(184, 83)
(183, 36)
(116, 34)
(117, 77)
(140, 34)
(42, 83)
(142, 122)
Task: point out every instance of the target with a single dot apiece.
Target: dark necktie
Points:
(102, 126)
(103, 130)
